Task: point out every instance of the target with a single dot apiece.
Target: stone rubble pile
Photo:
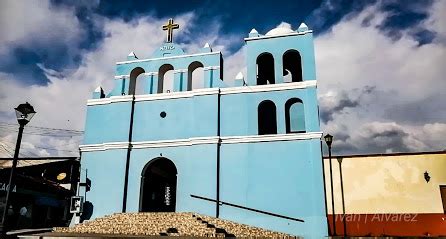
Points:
(168, 224)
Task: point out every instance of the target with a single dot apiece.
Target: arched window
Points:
(165, 78)
(267, 121)
(195, 76)
(292, 66)
(265, 69)
(136, 84)
(294, 116)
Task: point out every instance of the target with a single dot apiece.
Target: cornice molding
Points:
(205, 91)
(200, 140)
(167, 58)
(177, 95)
(276, 36)
(273, 87)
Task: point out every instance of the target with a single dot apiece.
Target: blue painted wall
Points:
(282, 177)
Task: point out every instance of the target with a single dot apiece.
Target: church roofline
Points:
(169, 57)
(276, 36)
(359, 156)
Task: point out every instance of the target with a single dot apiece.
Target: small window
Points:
(295, 116)
(267, 121)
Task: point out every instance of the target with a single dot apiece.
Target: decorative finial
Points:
(206, 48)
(303, 27)
(132, 54)
(239, 76)
(99, 89)
(254, 33)
(240, 80)
(169, 28)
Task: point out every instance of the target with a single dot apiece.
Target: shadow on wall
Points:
(87, 211)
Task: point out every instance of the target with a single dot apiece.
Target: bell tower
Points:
(281, 55)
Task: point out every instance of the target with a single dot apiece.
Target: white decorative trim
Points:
(118, 77)
(205, 91)
(271, 137)
(211, 68)
(152, 73)
(169, 57)
(177, 95)
(275, 36)
(175, 142)
(201, 140)
(104, 146)
(273, 87)
(180, 70)
(111, 99)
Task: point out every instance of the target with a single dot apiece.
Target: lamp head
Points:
(427, 177)
(339, 159)
(24, 113)
(328, 139)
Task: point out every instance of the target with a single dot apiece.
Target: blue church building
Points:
(167, 139)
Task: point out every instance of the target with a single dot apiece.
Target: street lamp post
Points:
(342, 193)
(329, 140)
(24, 113)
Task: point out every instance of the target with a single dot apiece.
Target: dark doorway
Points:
(158, 186)
(443, 196)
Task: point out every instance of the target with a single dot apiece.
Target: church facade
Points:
(246, 149)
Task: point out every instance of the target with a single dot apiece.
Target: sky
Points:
(380, 64)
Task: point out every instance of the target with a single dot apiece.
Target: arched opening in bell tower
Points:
(158, 186)
(292, 66)
(265, 69)
(136, 84)
(195, 76)
(165, 78)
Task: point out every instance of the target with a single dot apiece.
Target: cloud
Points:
(38, 32)
(37, 24)
(429, 109)
(334, 102)
(407, 81)
(388, 137)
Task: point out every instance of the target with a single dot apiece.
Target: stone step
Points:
(167, 224)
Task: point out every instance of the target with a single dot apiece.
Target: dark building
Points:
(42, 191)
